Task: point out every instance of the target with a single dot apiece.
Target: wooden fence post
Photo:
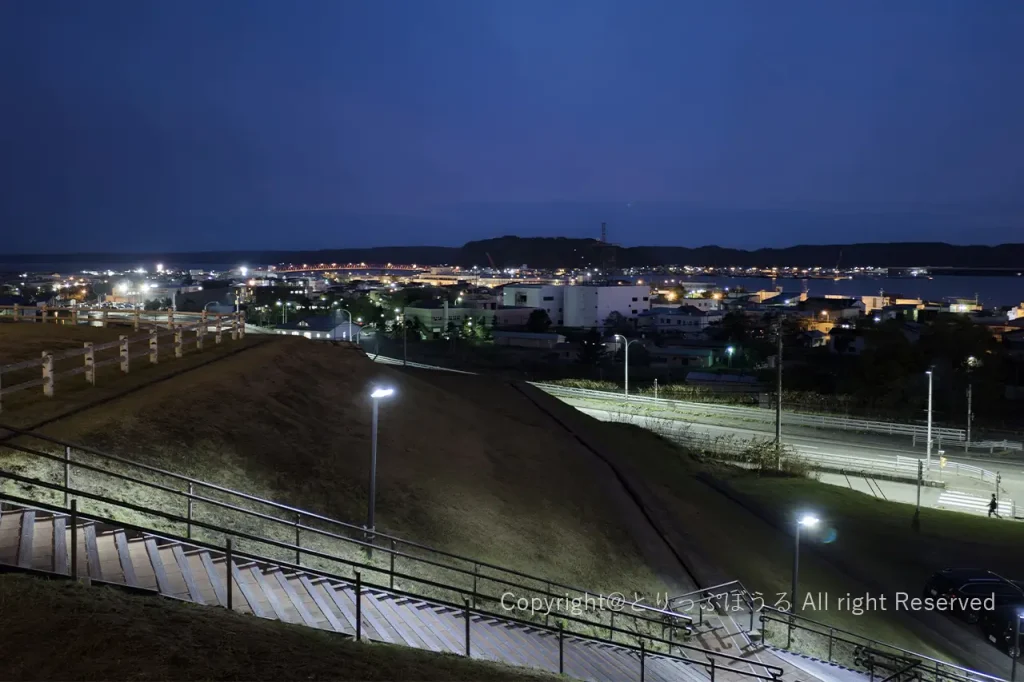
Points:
(135, 320)
(125, 354)
(200, 332)
(234, 329)
(104, 324)
(178, 342)
(47, 374)
(90, 363)
(74, 316)
(42, 308)
(219, 336)
(153, 345)
(241, 325)
(170, 319)
(17, 313)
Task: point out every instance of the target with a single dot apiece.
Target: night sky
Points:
(174, 125)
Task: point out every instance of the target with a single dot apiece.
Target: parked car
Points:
(1000, 627)
(968, 583)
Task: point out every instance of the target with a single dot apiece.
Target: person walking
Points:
(993, 507)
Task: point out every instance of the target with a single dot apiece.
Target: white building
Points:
(589, 306)
(547, 297)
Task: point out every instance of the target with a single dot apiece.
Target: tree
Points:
(617, 323)
(591, 348)
(539, 322)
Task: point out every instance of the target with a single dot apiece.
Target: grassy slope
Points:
(60, 630)
(290, 420)
(726, 541)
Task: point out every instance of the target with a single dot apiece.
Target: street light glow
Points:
(379, 393)
(809, 521)
(730, 350)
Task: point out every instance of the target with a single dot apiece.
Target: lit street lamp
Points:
(376, 396)
(808, 521)
(729, 351)
(625, 361)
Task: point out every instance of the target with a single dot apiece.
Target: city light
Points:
(379, 393)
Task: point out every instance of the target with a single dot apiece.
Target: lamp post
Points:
(342, 310)
(625, 361)
(928, 446)
(729, 351)
(806, 521)
(376, 396)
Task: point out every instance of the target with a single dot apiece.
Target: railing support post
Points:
(125, 353)
(103, 319)
(200, 332)
(831, 632)
(298, 540)
(179, 342)
(74, 539)
(713, 666)
(643, 662)
(228, 566)
(188, 528)
(468, 613)
(561, 648)
(218, 337)
(47, 374)
(392, 571)
(153, 346)
(67, 473)
(90, 363)
(359, 607)
(611, 626)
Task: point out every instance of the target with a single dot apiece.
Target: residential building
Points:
(322, 327)
(590, 305)
(675, 356)
(547, 297)
(680, 320)
(435, 316)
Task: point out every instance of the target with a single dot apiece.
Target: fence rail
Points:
(761, 414)
(60, 366)
(190, 506)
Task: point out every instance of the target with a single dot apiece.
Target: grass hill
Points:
(474, 470)
(91, 629)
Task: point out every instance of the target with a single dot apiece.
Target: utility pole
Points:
(970, 416)
(778, 396)
(928, 445)
(405, 340)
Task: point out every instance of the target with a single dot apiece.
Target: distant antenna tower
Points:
(604, 233)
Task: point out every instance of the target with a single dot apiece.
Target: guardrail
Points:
(98, 316)
(761, 414)
(305, 537)
(879, 659)
(54, 366)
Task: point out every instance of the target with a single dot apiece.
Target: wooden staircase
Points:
(35, 540)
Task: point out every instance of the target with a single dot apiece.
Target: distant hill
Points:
(553, 252)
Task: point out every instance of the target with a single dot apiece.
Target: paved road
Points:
(815, 441)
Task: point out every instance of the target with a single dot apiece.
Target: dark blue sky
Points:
(148, 125)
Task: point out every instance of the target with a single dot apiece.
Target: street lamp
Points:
(377, 395)
(729, 351)
(928, 447)
(349, 325)
(626, 359)
(808, 521)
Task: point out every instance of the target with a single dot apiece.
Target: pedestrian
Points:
(993, 507)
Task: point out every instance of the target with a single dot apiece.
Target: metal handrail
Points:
(787, 617)
(775, 671)
(633, 605)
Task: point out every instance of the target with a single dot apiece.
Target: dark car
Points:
(968, 583)
(1000, 627)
